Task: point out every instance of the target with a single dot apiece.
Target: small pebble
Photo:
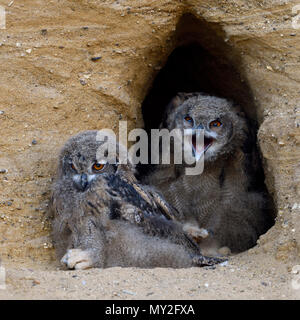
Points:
(129, 292)
(2, 112)
(264, 283)
(83, 82)
(94, 59)
(3, 170)
(33, 142)
(44, 32)
(35, 282)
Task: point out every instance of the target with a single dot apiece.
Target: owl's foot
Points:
(196, 233)
(203, 261)
(77, 259)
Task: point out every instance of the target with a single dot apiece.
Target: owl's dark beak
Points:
(201, 127)
(82, 182)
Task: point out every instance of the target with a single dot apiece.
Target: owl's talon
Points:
(196, 233)
(203, 261)
(77, 259)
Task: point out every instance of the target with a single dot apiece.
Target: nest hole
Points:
(202, 60)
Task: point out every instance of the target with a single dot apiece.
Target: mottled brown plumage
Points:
(104, 217)
(222, 199)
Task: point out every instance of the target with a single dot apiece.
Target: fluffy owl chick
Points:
(103, 217)
(221, 199)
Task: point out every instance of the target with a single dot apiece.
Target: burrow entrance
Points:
(203, 61)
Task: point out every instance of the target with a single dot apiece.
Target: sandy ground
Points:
(51, 89)
(245, 276)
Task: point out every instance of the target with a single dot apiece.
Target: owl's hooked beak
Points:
(198, 151)
(81, 181)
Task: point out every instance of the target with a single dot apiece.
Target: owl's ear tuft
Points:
(176, 101)
(170, 108)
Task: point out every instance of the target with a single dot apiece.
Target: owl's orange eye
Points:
(215, 124)
(188, 119)
(98, 166)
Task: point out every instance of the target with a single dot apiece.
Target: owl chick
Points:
(222, 199)
(102, 217)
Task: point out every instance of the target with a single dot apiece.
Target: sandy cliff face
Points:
(68, 66)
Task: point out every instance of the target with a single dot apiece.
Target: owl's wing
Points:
(152, 197)
(156, 200)
(167, 210)
(121, 199)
